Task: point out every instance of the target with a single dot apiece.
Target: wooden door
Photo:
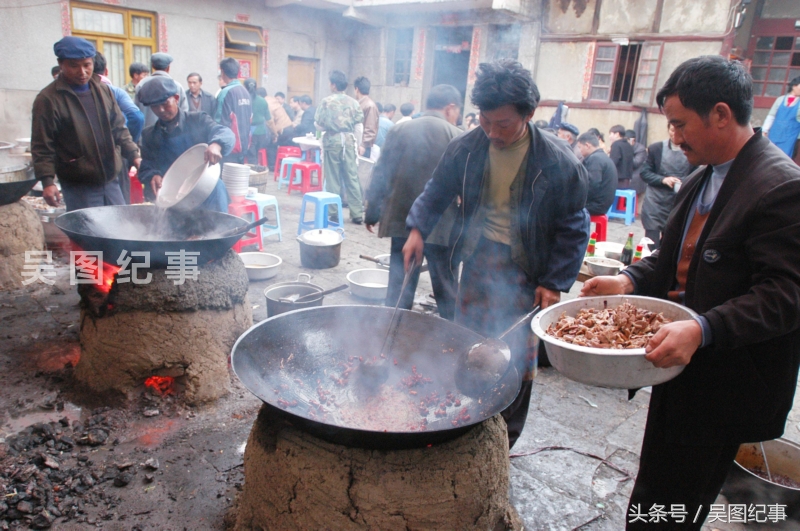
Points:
(248, 63)
(302, 78)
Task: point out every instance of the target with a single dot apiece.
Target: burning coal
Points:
(161, 385)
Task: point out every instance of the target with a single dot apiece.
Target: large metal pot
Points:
(302, 286)
(614, 368)
(321, 248)
(189, 181)
(15, 182)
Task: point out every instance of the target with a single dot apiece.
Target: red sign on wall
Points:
(243, 18)
(245, 68)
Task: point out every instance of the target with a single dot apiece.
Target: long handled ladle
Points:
(309, 296)
(485, 363)
(243, 230)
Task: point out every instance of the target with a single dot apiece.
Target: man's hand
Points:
(608, 285)
(674, 344)
(213, 153)
(51, 195)
(369, 228)
(155, 184)
(670, 181)
(546, 297)
(137, 162)
(413, 248)
(361, 150)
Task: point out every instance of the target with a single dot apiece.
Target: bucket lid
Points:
(321, 237)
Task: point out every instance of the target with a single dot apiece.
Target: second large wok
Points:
(293, 359)
(112, 229)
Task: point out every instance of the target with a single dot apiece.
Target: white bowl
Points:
(603, 266)
(369, 284)
(261, 266)
(606, 367)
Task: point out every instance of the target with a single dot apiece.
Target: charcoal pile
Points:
(51, 471)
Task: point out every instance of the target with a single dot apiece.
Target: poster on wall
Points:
(245, 67)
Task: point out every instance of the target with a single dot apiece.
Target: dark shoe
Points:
(333, 219)
(358, 221)
(345, 205)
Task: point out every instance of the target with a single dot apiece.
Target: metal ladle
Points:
(303, 298)
(485, 363)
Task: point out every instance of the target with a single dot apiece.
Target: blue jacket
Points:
(553, 223)
(134, 119)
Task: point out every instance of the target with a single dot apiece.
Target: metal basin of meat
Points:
(606, 367)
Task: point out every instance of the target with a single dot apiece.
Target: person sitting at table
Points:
(174, 132)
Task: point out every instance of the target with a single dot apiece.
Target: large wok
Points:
(286, 359)
(111, 229)
(15, 182)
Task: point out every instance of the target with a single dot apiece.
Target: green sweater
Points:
(261, 116)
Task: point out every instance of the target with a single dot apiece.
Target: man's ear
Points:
(721, 115)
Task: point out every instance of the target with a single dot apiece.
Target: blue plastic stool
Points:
(287, 161)
(321, 201)
(263, 201)
(629, 214)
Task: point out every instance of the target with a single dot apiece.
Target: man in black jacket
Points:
(306, 124)
(602, 175)
(731, 253)
(622, 156)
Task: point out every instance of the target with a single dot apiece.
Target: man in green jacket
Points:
(79, 133)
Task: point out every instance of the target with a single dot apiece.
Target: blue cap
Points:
(160, 61)
(569, 127)
(157, 89)
(74, 48)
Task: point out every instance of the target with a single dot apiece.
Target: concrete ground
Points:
(573, 467)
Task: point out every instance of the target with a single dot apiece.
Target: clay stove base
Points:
(128, 339)
(20, 231)
(294, 481)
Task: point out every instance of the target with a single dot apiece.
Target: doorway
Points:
(451, 57)
(302, 77)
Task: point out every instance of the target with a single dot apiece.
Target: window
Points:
(625, 72)
(505, 42)
(122, 36)
(776, 60)
(246, 36)
(403, 50)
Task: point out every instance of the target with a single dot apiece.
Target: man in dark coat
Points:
(521, 230)
(602, 175)
(198, 99)
(731, 253)
(79, 133)
(411, 152)
(306, 124)
(174, 132)
(622, 156)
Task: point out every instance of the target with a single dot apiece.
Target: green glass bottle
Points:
(627, 252)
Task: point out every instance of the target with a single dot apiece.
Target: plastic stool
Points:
(306, 171)
(285, 151)
(629, 212)
(321, 201)
(247, 210)
(262, 157)
(600, 226)
(286, 162)
(264, 201)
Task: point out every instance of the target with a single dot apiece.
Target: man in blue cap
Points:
(160, 62)
(79, 133)
(174, 133)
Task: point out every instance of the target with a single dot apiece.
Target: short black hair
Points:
(55, 71)
(441, 96)
(99, 63)
(261, 91)
(589, 138)
(596, 132)
(406, 109)
(280, 95)
(793, 83)
(389, 107)
(379, 106)
(619, 129)
(702, 82)
(505, 82)
(541, 124)
(195, 74)
(338, 79)
(630, 133)
(306, 99)
(362, 84)
(229, 67)
(138, 68)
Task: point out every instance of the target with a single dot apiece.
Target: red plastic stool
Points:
(137, 190)
(307, 170)
(247, 210)
(601, 226)
(285, 151)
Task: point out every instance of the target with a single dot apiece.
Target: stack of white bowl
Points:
(236, 178)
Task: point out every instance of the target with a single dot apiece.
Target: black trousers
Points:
(444, 285)
(676, 477)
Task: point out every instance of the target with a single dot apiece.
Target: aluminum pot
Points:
(302, 286)
(321, 248)
(369, 284)
(189, 181)
(601, 367)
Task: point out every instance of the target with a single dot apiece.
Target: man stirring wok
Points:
(730, 252)
(174, 133)
(522, 229)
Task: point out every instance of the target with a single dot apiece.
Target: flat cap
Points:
(160, 61)
(569, 127)
(157, 90)
(74, 48)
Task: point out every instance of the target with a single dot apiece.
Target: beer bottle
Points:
(627, 252)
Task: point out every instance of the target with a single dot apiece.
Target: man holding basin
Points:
(730, 252)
